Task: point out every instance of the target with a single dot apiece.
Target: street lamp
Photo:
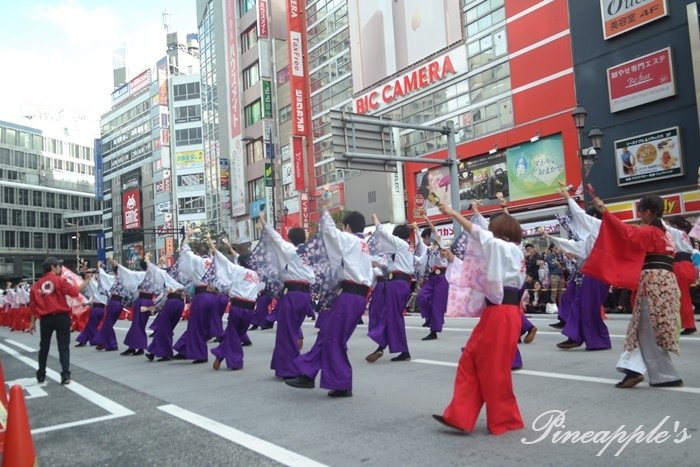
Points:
(588, 156)
(77, 240)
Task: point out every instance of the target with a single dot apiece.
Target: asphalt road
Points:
(126, 411)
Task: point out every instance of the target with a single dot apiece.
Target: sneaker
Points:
(65, 380)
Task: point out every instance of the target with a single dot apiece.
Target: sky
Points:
(57, 54)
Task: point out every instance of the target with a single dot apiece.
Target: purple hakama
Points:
(329, 352)
(136, 336)
(89, 334)
(105, 336)
(230, 349)
(292, 309)
(162, 343)
(432, 300)
(585, 322)
(193, 342)
(391, 328)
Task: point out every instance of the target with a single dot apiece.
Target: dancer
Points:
(432, 298)
(484, 370)
(295, 302)
(391, 329)
(243, 286)
(678, 227)
(136, 339)
(170, 305)
(584, 323)
(200, 270)
(122, 290)
(98, 301)
(349, 255)
(643, 257)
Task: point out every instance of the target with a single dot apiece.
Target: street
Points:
(127, 411)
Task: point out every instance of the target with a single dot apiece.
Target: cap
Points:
(51, 261)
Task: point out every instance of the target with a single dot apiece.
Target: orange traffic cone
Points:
(19, 446)
(3, 391)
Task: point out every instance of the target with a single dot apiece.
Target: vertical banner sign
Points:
(304, 209)
(99, 179)
(235, 201)
(101, 252)
(296, 25)
(262, 19)
(131, 205)
(298, 159)
(267, 99)
(269, 175)
(231, 40)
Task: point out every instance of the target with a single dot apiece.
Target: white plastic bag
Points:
(551, 309)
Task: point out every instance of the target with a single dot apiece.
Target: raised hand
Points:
(563, 190)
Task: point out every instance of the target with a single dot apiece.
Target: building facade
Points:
(48, 199)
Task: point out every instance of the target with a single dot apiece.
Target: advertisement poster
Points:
(389, 35)
(224, 174)
(620, 17)
(640, 81)
(535, 169)
(189, 159)
(131, 207)
(651, 156)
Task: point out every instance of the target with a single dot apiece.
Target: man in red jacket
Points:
(47, 300)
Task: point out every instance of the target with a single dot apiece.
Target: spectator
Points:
(555, 263)
(537, 303)
(531, 257)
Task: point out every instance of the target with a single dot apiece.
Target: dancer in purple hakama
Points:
(122, 290)
(432, 297)
(391, 329)
(98, 301)
(349, 255)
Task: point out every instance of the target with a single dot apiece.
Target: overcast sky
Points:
(58, 53)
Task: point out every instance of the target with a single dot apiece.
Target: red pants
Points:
(685, 276)
(484, 375)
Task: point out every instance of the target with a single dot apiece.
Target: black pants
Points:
(59, 322)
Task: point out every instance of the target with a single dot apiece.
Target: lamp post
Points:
(77, 240)
(587, 156)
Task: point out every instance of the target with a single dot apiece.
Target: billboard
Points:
(647, 157)
(162, 77)
(387, 36)
(237, 183)
(141, 81)
(224, 174)
(642, 80)
(232, 58)
(164, 185)
(619, 17)
(263, 30)
(131, 208)
(189, 159)
(530, 170)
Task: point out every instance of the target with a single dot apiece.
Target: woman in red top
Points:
(652, 332)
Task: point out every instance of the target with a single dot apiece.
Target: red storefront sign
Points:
(304, 209)
(232, 57)
(621, 16)
(296, 25)
(298, 160)
(131, 208)
(262, 18)
(640, 81)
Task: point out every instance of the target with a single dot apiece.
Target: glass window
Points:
(50, 200)
(23, 196)
(17, 217)
(44, 220)
(10, 239)
(9, 194)
(251, 75)
(38, 240)
(245, 5)
(31, 218)
(62, 201)
(57, 221)
(87, 204)
(3, 216)
(254, 152)
(37, 198)
(75, 203)
(249, 38)
(24, 239)
(253, 113)
(188, 136)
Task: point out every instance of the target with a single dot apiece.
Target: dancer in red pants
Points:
(483, 374)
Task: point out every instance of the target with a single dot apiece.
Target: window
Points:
(24, 239)
(256, 189)
(249, 38)
(188, 136)
(188, 113)
(38, 240)
(191, 205)
(65, 240)
(9, 239)
(9, 194)
(285, 114)
(182, 92)
(251, 75)
(43, 220)
(17, 217)
(30, 218)
(190, 180)
(51, 241)
(57, 221)
(253, 113)
(3, 216)
(245, 5)
(87, 204)
(23, 196)
(75, 203)
(254, 152)
(62, 201)
(50, 200)
(37, 198)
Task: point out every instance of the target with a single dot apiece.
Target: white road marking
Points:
(546, 374)
(30, 386)
(19, 345)
(116, 410)
(267, 449)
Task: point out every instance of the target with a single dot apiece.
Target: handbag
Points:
(551, 309)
